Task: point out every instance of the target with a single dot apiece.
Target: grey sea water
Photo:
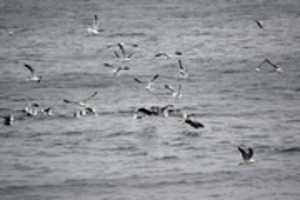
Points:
(113, 155)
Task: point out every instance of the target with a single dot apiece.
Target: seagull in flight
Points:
(193, 123)
(259, 24)
(94, 30)
(83, 103)
(247, 155)
(269, 62)
(122, 52)
(33, 76)
(116, 70)
(175, 93)
(149, 84)
(167, 56)
(182, 71)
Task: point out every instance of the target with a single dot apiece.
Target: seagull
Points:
(116, 70)
(82, 103)
(175, 93)
(268, 61)
(247, 156)
(182, 70)
(9, 120)
(121, 46)
(94, 30)
(33, 76)
(162, 54)
(192, 123)
(259, 24)
(149, 84)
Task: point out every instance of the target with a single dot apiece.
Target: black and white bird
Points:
(116, 70)
(182, 71)
(83, 103)
(247, 155)
(269, 62)
(259, 24)
(149, 84)
(33, 76)
(94, 29)
(122, 53)
(193, 123)
(175, 93)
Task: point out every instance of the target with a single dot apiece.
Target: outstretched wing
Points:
(243, 153)
(170, 88)
(70, 101)
(29, 68)
(120, 45)
(162, 54)
(154, 77)
(108, 65)
(180, 64)
(90, 97)
(259, 24)
(116, 54)
(138, 81)
(250, 153)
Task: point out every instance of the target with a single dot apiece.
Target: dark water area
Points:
(111, 155)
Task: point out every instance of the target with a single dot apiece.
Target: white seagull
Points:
(33, 76)
(116, 70)
(247, 156)
(182, 70)
(149, 84)
(94, 30)
(83, 103)
(175, 93)
(268, 61)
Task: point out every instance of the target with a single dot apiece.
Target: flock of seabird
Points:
(164, 111)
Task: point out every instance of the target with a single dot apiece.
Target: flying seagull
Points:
(116, 70)
(268, 61)
(149, 84)
(182, 70)
(33, 76)
(162, 55)
(193, 123)
(175, 93)
(246, 155)
(83, 103)
(122, 52)
(94, 30)
(259, 24)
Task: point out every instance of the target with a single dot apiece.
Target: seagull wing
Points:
(70, 101)
(250, 152)
(243, 153)
(120, 45)
(170, 88)
(271, 63)
(180, 65)
(29, 68)
(116, 54)
(154, 77)
(108, 65)
(138, 81)
(95, 22)
(162, 54)
(259, 24)
(90, 97)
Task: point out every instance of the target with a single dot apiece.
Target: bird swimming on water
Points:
(247, 155)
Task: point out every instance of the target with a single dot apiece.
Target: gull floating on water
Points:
(268, 61)
(116, 70)
(193, 123)
(149, 84)
(246, 155)
(182, 70)
(94, 30)
(33, 76)
(175, 93)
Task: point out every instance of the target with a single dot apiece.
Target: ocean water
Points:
(114, 156)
